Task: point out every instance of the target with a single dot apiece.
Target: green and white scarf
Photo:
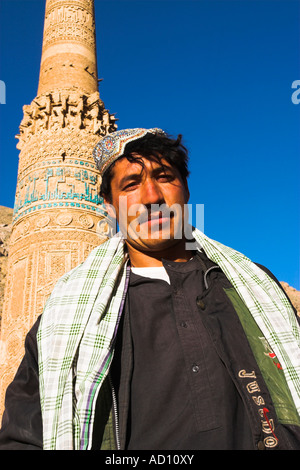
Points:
(79, 324)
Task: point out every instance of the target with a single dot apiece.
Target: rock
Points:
(293, 294)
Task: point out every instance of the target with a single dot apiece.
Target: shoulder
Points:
(271, 275)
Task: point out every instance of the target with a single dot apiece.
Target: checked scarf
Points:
(80, 320)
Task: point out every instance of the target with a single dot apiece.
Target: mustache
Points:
(148, 214)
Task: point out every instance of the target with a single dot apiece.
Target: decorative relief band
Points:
(63, 223)
(72, 110)
(69, 23)
(84, 4)
(69, 33)
(69, 13)
(52, 185)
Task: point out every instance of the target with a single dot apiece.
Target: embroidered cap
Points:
(112, 146)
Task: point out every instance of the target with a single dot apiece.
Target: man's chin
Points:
(153, 244)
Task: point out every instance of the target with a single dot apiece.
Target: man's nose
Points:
(151, 192)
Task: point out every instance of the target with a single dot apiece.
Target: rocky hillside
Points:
(293, 294)
(5, 230)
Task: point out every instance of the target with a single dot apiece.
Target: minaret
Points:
(58, 214)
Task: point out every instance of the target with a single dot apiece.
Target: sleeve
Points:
(22, 420)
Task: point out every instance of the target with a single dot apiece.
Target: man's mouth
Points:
(158, 217)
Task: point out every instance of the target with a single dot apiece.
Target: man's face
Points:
(142, 197)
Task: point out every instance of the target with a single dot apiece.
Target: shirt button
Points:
(195, 368)
(200, 303)
(183, 324)
(261, 445)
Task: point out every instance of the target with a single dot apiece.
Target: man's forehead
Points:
(138, 164)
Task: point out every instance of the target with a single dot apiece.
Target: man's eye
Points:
(130, 185)
(165, 177)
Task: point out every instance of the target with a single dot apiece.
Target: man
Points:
(162, 338)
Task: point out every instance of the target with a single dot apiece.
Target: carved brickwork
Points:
(69, 110)
(68, 21)
(69, 45)
(58, 214)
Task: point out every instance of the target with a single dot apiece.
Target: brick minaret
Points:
(58, 215)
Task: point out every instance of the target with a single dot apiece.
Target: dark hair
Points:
(153, 147)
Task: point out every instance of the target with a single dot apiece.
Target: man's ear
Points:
(109, 208)
(187, 191)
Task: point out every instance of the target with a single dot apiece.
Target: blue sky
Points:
(218, 72)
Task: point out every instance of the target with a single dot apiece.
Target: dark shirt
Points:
(181, 394)
(22, 427)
